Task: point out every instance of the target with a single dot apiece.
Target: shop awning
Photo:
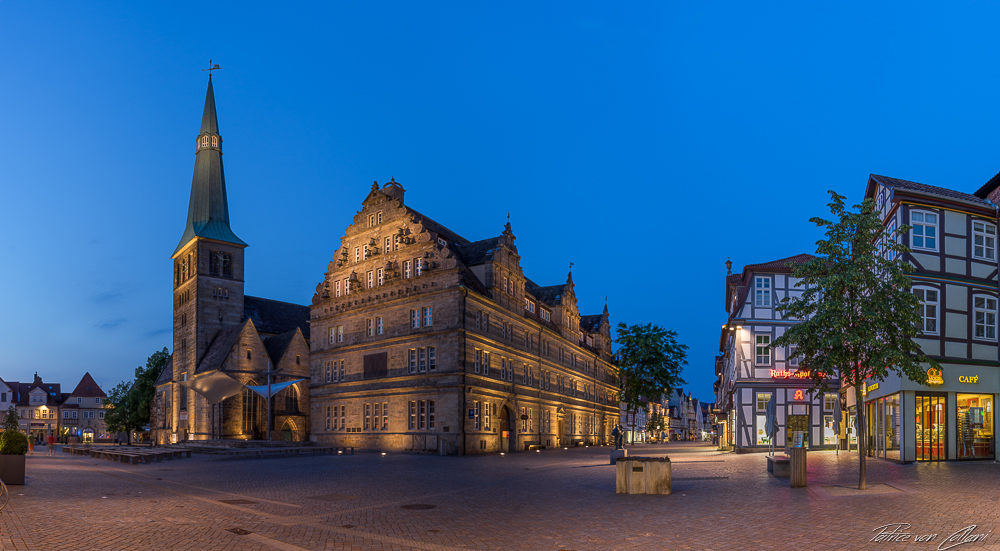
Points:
(215, 387)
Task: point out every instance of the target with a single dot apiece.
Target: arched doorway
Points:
(288, 431)
(88, 435)
(508, 430)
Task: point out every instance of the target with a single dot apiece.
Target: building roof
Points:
(780, 264)
(277, 344)
(167, 374)
(208, 208)
(220, 347)
(988, 187)
(933, 190)
(591, 323)
(478, 252)
(88, 388)
(53, 392)
(551, 295)
(276, 317)
(432, 225)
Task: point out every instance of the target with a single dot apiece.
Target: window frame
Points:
(923, 309)
(986, 313)
(767, 348)
(763, 287)
(924, 225)
(989, 252)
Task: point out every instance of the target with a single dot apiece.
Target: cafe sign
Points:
(973, 379)
(935, 377)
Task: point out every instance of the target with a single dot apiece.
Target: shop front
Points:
(799, 410)
(950, 418)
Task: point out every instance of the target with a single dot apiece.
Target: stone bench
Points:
(779, 465)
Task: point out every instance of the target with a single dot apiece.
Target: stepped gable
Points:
(88, 388)
(276, 317)
(218, 351)
(277, 344)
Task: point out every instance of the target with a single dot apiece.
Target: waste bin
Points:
(798, 460)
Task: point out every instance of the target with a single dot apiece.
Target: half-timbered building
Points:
(753, 372)
(952, 239)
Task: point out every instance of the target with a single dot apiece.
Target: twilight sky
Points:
(644, 144)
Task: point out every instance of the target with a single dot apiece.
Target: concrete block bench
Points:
(779, 465)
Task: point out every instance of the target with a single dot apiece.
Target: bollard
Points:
(798, 461)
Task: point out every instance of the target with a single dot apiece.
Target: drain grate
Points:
(237, 501)
(239, 531)
(418, 506)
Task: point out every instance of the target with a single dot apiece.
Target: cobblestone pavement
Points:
(553, 500)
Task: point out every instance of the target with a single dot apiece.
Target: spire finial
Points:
(729, 266)
(570, 266)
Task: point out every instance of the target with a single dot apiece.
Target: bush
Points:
(13, 443)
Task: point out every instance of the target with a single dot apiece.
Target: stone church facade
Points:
(222, 334)
(426, 341)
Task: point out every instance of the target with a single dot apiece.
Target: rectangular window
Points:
(928, 309)
(340, 333)
(503, 369)
(829, 401)
(763, 349)
(924, 230)
(430, 414)
(524, 422)
(414, 319)
(479, 358)
(985, 309)
(337, 286)
(475, 415)
(422, 415)
(428, 316)
(486, 363)
(385, 415)
(368, 416)
(357, 254)
(421, 360)
(431, 358)
(376, 414)
(419, 264)
(371, 279)
(333, 333)
(793, 360)
(412, 366)
(371, 220)
(984, 240)
(486, 322)
(370, 327)
(406, 269)
(379, 329)
(762, 291)
(327, 417)
(328, 372)
(490, 409)
(381, 276)
(479, 319)
(388, 244)
(341, 370)
(412, 422)
(343, 417)
(347, 286)
(367, 254)
(546, 316)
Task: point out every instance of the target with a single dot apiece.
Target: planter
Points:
(12, 469)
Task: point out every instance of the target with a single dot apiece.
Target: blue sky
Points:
(645, 144)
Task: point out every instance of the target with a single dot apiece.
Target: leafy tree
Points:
(10, 420)
(859, 314)
(649, 361)
(129, 403)
(655, 424)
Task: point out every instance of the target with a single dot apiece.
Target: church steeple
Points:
(208, 209)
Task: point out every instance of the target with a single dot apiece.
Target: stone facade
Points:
(425, 341)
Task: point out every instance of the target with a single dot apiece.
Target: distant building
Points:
(44, 409)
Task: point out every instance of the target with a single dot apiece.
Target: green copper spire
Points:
(208, 210)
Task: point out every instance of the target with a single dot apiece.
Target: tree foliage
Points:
(10, 420)
(859, 315)
(650, 361)
(129, 403)
(13, 442)
(655, 424)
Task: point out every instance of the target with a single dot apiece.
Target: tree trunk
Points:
(862, 437)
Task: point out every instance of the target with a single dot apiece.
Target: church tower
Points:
(208, 268)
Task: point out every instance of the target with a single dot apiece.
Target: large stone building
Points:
(223, 337)
(424, 340)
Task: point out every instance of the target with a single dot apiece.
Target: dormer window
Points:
(442, 242)
(215, 141)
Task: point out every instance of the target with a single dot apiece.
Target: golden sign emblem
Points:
(934, 376)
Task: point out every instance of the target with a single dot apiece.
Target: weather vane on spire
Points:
(571, 266)
(211, 67)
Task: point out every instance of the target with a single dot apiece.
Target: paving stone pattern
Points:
(553, 500)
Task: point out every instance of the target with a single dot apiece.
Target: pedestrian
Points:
(51, 440)
(31, 446)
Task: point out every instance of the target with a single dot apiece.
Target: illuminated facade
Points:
(426, 341)
(751, 372)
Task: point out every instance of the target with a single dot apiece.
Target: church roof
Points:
(277, 345)
(220, 347)
(88, 388)
(276, 317)
(167, 374)
(208, 208)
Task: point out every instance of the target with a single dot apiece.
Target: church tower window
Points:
(215, 141)
(204, 141)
